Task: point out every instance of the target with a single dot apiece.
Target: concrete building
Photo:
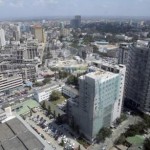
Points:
(64, 32)
(123, 53)
(28, 71)
(69, 91)
(76, 22)
(17, 33)
(39, 34)
(19, 53)
(121, 71)
(44, 93)
(16, 136)
(100, 98)
(2, 38)
(85, 52)
(26, 52)
(34, 49)
(2, 115)
(98, 92)
(138, 76)
(8, 84)
(104, 46)
(123, 37)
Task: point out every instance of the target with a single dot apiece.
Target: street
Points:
(116, 133)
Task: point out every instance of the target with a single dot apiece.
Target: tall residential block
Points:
(123, 53)
(138, 76)
(76, 22)
(121, 71)
(39, 34)
(100, 99)
(17, 33)
(2, 38)
(97, 94)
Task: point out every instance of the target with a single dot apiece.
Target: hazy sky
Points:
(30, 8)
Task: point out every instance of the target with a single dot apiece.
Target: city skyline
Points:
(24, 8)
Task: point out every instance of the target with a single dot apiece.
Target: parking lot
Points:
(54, 134)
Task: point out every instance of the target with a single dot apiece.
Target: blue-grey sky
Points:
(30, 8)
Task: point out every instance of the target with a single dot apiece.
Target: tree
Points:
(63, 74)
(62, 142)
(147, 119)
(135, 129)
(121, 139)
(46, 80)
(147, 144)
(95, 49)
(49, 109)
(61, 38)
(72, 80)
(44, 105)
(55, 95)
(88, 39)
(59, 119)
(103, 133)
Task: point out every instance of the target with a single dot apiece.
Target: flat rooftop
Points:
(100, 74)
(17, 126)
(73, 90)
(15, 136)
(108, 64)
(13, 144)
(23, 108)
(5, 132)
(51, 86)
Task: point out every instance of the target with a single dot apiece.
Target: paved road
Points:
(116, 133)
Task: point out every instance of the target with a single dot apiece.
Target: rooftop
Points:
(51, 86)
(101, 74)
(109, 64)
(6, 132)
(16, 126)
(23, 108)
(73, 90)
(15, 136)
(13, 144)
(30, 141)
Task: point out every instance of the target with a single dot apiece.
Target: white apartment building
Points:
(121, 71)
(44, 93)
(98, 91)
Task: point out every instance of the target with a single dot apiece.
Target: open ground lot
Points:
(51, 132)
